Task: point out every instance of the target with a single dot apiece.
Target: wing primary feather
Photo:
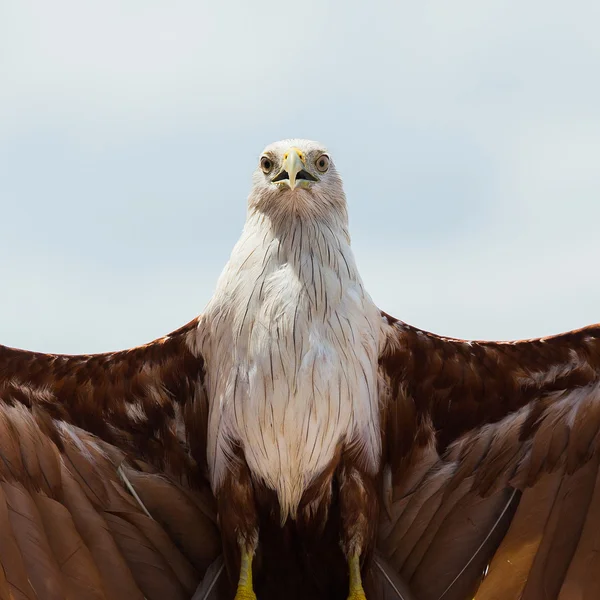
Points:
(131, 489)
(511, 564)
(392, 580)
(514, 497)
(210, 581)
(581, 580)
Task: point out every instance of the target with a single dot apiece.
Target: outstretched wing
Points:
(494, 453)
(102, 463)
(148, 399)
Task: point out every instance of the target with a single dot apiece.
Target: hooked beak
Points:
(292, 171)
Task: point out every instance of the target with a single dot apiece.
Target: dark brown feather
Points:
(111, 564)
(508, 419)
(70, 528)
(152, 573)
(81, 578)
(127, 398)
(43, 570)
(585, 564)
(511, 564)
(461, 385)
(11, 559)
(160, 496)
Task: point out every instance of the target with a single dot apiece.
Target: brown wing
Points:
(137, 399)
(99, 496)
(79, 521)
(498, 465)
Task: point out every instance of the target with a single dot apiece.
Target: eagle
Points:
(294, 441)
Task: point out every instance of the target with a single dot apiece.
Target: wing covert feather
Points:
(459, 385)
(135, 399)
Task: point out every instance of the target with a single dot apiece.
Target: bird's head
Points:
(297, 176)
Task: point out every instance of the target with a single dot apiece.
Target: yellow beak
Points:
(293, 163)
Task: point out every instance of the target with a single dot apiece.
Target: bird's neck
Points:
(300, 265)
(302, 242)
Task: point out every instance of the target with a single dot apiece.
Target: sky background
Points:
(467, 134)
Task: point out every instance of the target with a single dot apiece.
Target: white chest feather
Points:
(291, 357)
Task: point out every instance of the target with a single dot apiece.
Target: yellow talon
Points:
(356, 589)
(245, 590)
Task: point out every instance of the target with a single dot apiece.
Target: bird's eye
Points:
(322, 163)
(266, 164)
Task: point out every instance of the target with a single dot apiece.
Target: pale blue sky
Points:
(467, 133)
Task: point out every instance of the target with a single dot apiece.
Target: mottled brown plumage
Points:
(69, 528)
(491, 452)
(494, 456)
(135, 398)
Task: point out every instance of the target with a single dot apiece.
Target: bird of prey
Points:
(325, 448)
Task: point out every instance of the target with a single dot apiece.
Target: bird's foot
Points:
(245, 592)
(357, 594)
(356, 589)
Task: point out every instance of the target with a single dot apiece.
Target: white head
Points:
(297, 177)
